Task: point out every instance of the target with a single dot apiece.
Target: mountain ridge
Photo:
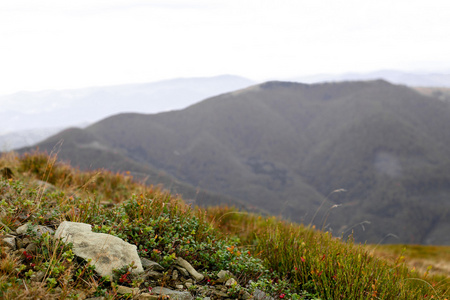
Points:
(25, 115)
(416, 79)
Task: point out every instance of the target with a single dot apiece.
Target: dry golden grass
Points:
(420, 257)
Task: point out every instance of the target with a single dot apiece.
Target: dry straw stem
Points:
(427, 283)
(323, 202)
(53, 156)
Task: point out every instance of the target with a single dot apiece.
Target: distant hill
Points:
(396, 77)
(285, 147)
(23, 138)
(27, 116)
(85, 151)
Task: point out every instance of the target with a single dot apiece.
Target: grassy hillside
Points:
(285, 147)
(284, 260)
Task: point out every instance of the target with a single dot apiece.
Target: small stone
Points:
(153, 275)
(147, 296)
(224, 275)
(31, 248)
(197, 276)
(220, 293)
(21, 244)
(149, 264)
(188, 284)
(174, 275)
(231, 282)
(179, 286)
(38, 229)
(25, 242)
(183, 271)
(10, 242)
(22, 229)
(174, 295)
(122, 290)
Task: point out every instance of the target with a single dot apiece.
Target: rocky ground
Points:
(109, 253)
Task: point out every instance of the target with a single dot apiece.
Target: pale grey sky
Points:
(56, 44)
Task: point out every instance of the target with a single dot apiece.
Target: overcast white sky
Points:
(55, 44)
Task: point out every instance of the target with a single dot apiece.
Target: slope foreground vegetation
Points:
(264, 256)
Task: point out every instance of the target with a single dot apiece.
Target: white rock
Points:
(106, 251)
